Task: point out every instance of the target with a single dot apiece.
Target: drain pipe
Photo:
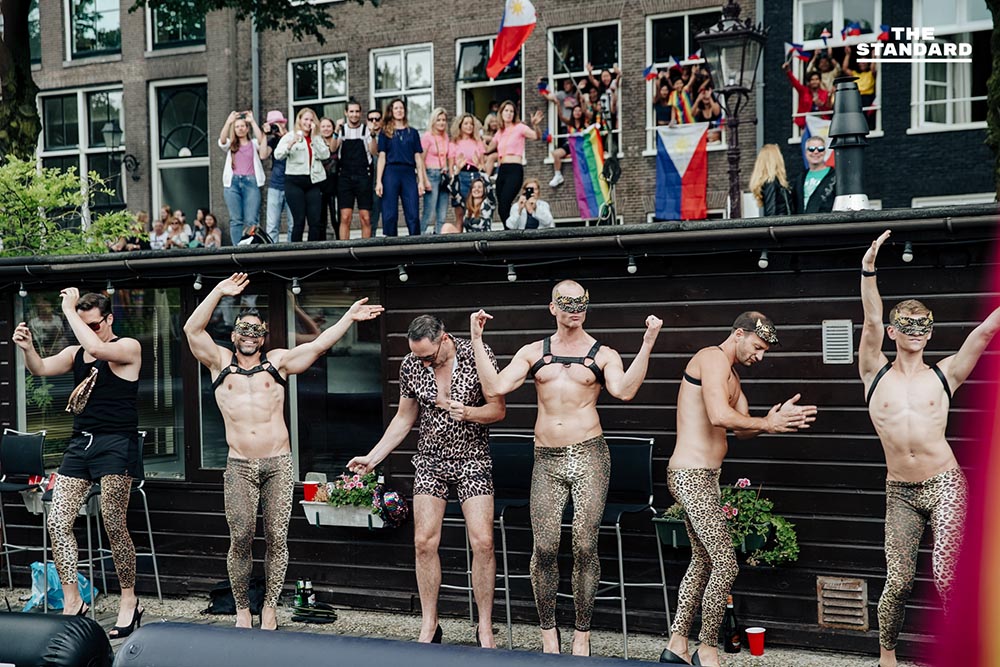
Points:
(849, 130)
(255, 68)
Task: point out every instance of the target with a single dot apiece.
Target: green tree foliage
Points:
(42, 212)
(993, 94)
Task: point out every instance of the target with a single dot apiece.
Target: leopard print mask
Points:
(573, 304)
(766, 332)
(914, 325)
(250, 330)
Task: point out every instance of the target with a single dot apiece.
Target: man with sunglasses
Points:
(908, 401)
(249, 387)
(374, 127)
(439, 385)
(816, 188)
(571, 456)
(104, 446)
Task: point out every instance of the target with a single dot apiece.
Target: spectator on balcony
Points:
(866, 74)
(575, 121)
(813, 98)
(179, 214)
(489, 130)
(166, 213)
(509, 143)
(663, 110)
(530, 212)
(479, 206)
(437, 149)
(816, 188)
(606, 82)
(468, 161)
(137, 239)
(304, 152)
(374, 120)
(243, 173)
(158, 235)
(354, 180)
(212, 235)
(330, 214)
(680, 96)
(707, 109)
(827, 67)
(400, 174)
(769, 182)
(275, 128)
(176, 236)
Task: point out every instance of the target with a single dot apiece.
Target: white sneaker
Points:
(557, 180)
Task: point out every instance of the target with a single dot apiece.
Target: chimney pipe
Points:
(848, 131)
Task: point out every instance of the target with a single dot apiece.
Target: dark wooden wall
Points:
(829, 481)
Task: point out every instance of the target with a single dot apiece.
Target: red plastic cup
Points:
(755, 638)
(36, 480)
(309, 490)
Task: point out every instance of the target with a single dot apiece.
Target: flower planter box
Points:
(753, 542)
(671, 532)
(323, 514)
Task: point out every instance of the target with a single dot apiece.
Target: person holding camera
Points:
(304, 151)
(243, 173)
(530, 212)
(274, 129)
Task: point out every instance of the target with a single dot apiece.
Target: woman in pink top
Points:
(467, 161)
(437, 171)
(509, 143)
(243, 172)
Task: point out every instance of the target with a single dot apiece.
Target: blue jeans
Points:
(243, 201)
(435, 203)
(275, 205)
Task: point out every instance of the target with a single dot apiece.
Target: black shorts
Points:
(91, 456)
(355, 186)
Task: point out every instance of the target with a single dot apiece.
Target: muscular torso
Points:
(699, 444)
(253, 408)
(910, 415)
(567, 397)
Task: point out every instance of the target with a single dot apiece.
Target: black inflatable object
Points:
(37, 640)
(186, 645)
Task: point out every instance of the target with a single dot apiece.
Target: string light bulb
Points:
(21, 292)
(296, 288)
(403, 275)
(511, 273)
(110, 289)
(632, 268)
(197, 282)
(907, 252)
(763, 261)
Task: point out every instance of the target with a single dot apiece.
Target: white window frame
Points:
(83, 150)
(154, 141)
(320, 99)
(554, 70)
(918, 74)
(835, 41)
(404, 92)
(68, 19)
(954, 200)
(462, 86)
(151, 49)
(651, 90)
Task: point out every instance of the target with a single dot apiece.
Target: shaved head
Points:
(567, 288)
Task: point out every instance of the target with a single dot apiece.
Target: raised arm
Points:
(57, 364)
(224, 134)
(534, 132)
(199, 340)
(401, 424)
(870, 356)
(125, 351)
(262, 149)
(300, 358)
(507, 380)
(623, 384)
(958, 366)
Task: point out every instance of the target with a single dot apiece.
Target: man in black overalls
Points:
(354, 183)
(249, 387)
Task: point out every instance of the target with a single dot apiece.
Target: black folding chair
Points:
(21, 457)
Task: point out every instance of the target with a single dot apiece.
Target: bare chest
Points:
(921, 395)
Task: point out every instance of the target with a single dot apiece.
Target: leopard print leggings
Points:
(246, 483)
(940, 500)
(67, 498)
(580, 471)
(713, 567)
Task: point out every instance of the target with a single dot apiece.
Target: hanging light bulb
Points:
(21, 292)
(296, 288)
(763, 262)
(511, 273)
(907, 252)
(632, 268)
(403, 276)
(197, 282)
(110, 289)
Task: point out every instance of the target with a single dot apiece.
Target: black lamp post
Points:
(112, 133)
(732, 48)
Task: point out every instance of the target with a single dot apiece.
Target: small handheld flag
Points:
(825, 35)
(883, 35)
(543, 88)
(649, 73)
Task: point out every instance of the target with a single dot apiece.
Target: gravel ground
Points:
(461, 631)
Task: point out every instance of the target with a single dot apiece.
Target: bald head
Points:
(568, 288)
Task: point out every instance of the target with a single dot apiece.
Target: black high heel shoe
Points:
(439, 634)
(84, 608)
(122, 632)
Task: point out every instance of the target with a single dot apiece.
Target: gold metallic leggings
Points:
(713, 567)
(246, 483)
(67, 498)
(909, 506)
(580, 471)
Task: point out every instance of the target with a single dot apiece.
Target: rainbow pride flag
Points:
(592, 191)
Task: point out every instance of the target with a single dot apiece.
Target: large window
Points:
(175, 26)
(151, 316)
(95, 27)
(952, 95)
(74, 129)
(406, 72)
(34, 32)
(476, 92)
(180, 142)
(320, 84)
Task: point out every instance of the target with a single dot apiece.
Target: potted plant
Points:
(349, 500)
(752, 526)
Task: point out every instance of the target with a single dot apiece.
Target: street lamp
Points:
(732, 48)
(112, 133)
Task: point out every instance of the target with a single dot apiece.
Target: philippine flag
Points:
(817, 127)
(516, 25)
(681, 172)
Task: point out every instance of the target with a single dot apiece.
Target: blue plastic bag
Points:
(42, 582)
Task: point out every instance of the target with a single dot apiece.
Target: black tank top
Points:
(112, 406)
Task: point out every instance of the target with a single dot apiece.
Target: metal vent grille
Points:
(838, 342)
(842, 603)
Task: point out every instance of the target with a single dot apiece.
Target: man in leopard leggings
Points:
(710, 402)
(250, 390)
(104, 446)
(571, 456)
(908, 402)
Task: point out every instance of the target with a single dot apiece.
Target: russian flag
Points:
(817, 126)
(883, 34)
(516, 25)
(649, 73)
(681, 172)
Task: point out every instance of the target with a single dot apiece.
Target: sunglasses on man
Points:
(96, 326)
(815, 149)
(374, 119)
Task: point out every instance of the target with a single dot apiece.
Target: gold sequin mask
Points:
(573, 304)
(914, 325)
(766, 332)
(250, 330)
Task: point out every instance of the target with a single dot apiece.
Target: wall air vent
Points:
(838, 342)
(842, 603)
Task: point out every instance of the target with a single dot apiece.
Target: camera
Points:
(242, 116)
(529, 193)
